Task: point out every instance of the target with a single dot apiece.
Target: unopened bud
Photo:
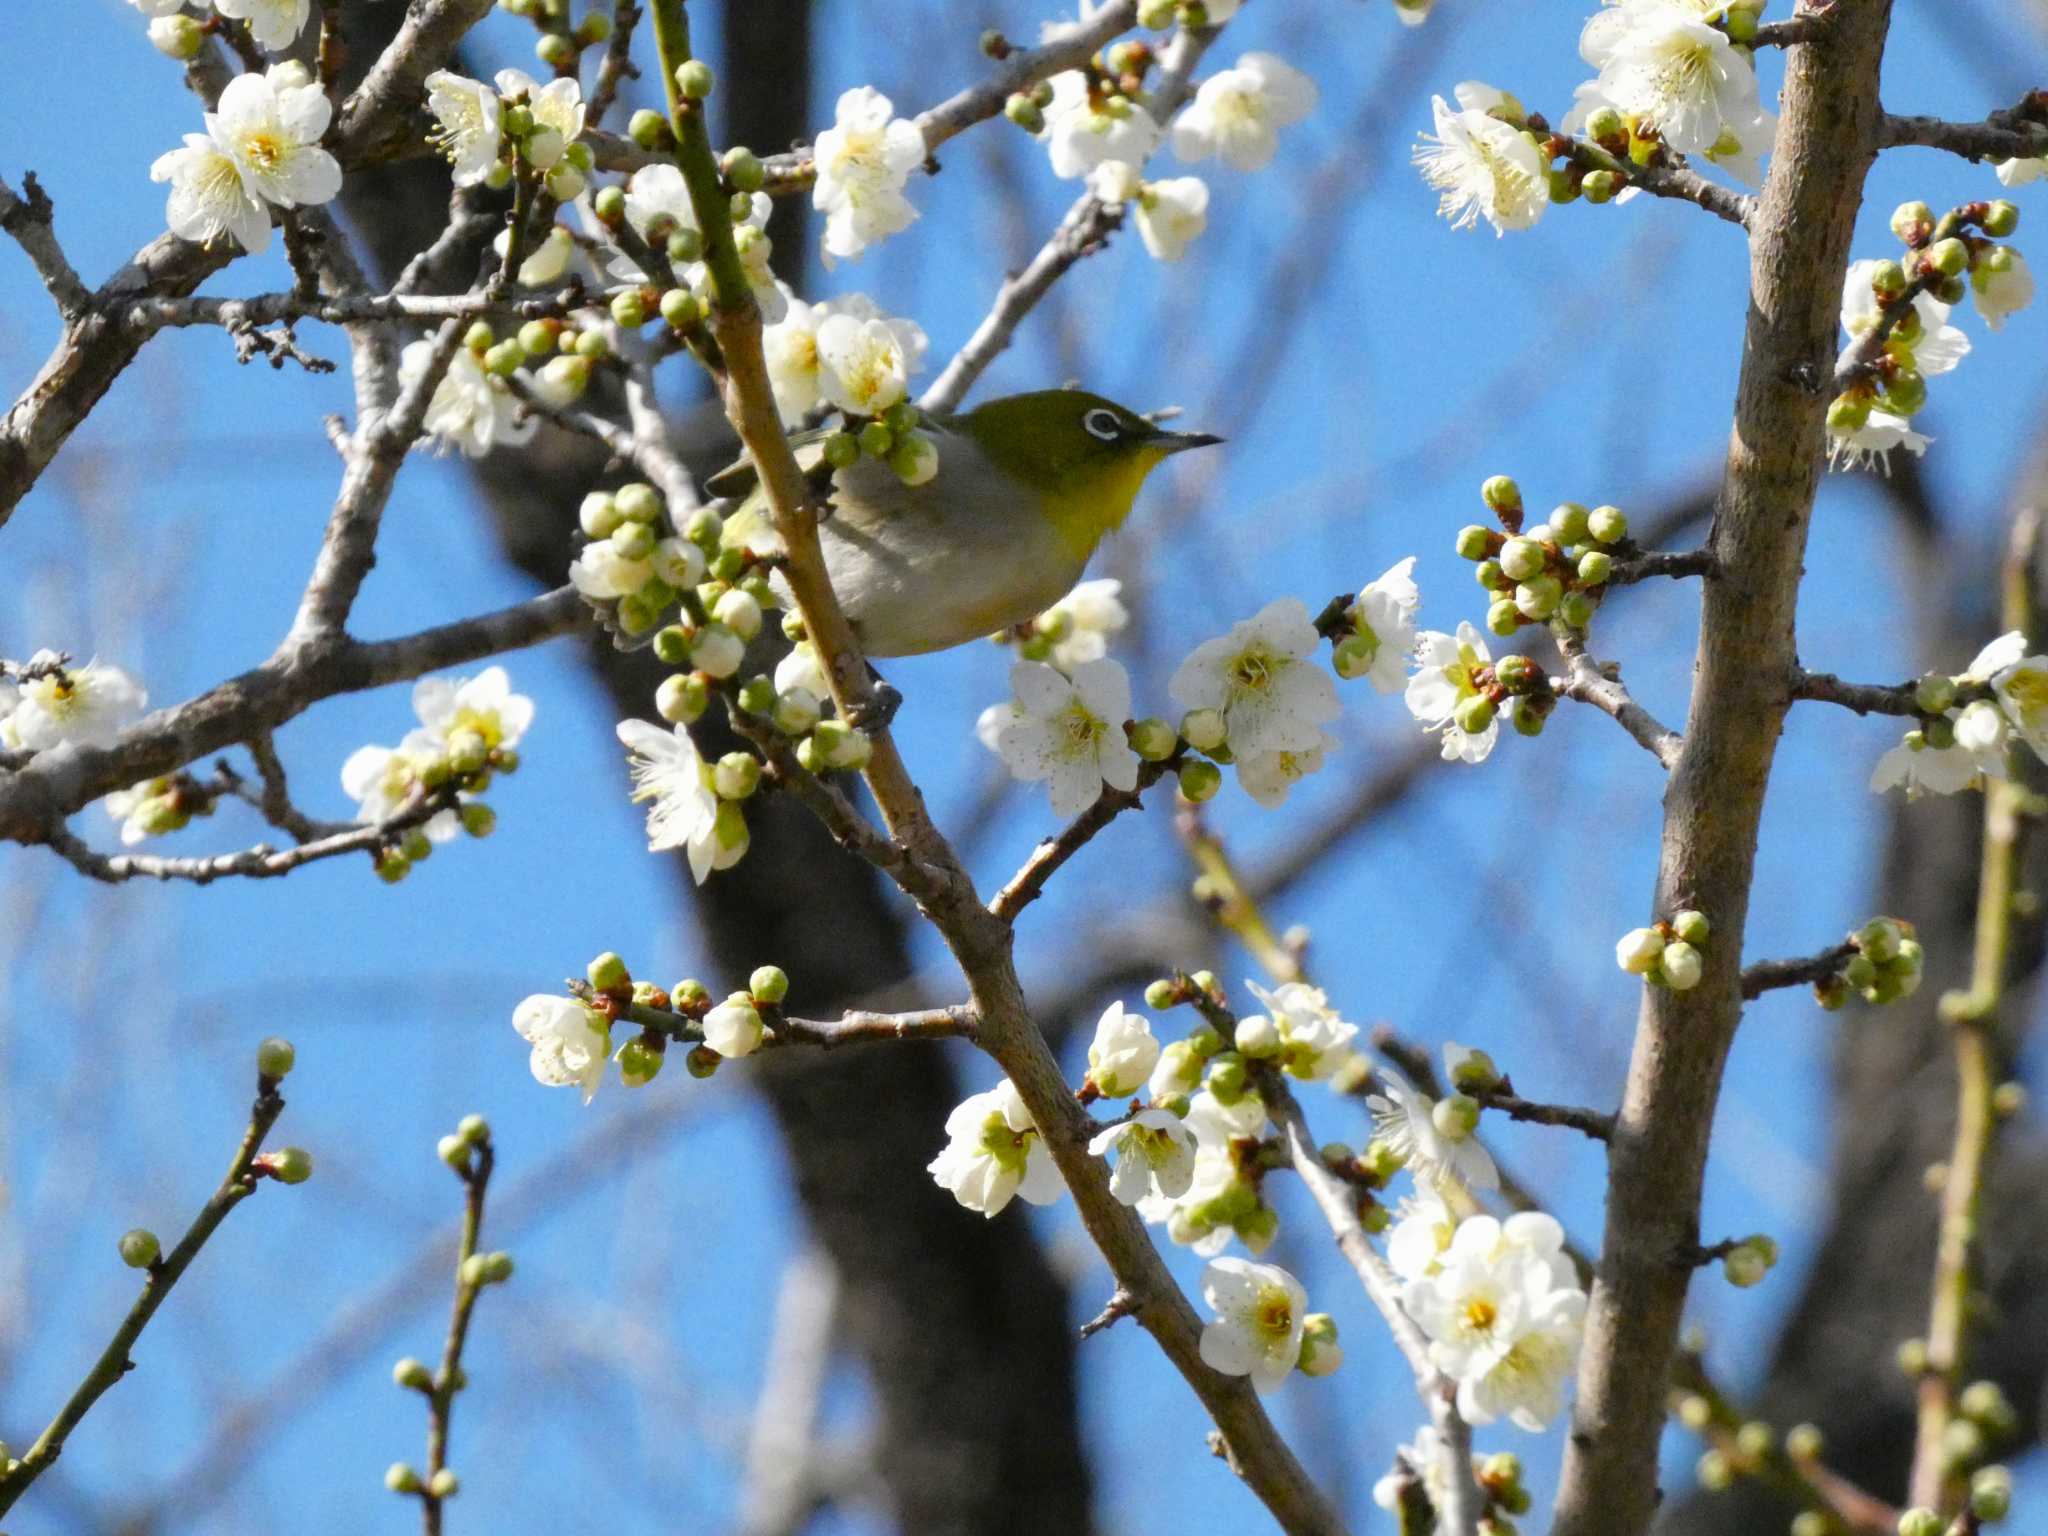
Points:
(1456, 1116)
(138, 1248)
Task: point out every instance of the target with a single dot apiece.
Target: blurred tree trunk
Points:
(961, 1324)
(1895, 1091)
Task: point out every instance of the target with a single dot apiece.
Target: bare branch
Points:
(1872, 698)
(1645, 565)
(1029, 883)
(2014, 134)
(1587, 1122)
(1769, 975)
(29, 219)
(1592, 683)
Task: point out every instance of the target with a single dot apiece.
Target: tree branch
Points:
(1588, 682)
(1768, 975)
(29, 219)
(2004, 135)
(1029, 883)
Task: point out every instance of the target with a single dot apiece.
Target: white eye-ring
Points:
(1103, 424)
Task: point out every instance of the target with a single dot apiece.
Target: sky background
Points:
(1369, 367)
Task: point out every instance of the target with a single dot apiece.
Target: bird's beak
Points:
(1179, 442)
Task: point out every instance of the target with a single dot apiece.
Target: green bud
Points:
(842, 450)
(1692, 927)
(474, 1129)
(1744, 1266)
(1516, 673)
(695, 79)
(599, 515)
(1561, 185)
(648, 129)
(1714, 1473)
(138, 1248)
(1921, 1522)
(1740, 25)
(1490, 576)
(608, 973)
(1203, 729)
(1521, 559)
(1950, 257)
(444, 1484)
(1161, 995)
(743, 168)
(629, 310)
(736, 776)
(680, 309)
(1911, 221)
(1568, 523)
(503, 358)
(274, 1057)
(1911, 1357)
(1849, 412)
(1803, 1442)
(392, 866)
(1475, 542)
(639, 1062)
(1934, 694)
(685, 244)
(1808, 1522)
(1475, 714)
(1024, 112)
(609, 204)
(1991, 1494)
(1903, 391)
(682, 698)
(1987, 1404)
(400, 1478)
(499, 176)
(701, 1061)
(289, 1165)
(1527, 716)
(479, 336)
(1153, 739)
(1455, 1116)
(1953, 290)
(1503, 618)
(593, 29)
(1879, 939)
(412, 1374)
(1606, 525)
(1962, 1444)
(876, 440)
(555, 50)
(1501, 495)
(1601, 187)
(2001, 218)
(1199, 780)
(1754, 1439)
(1604, 125)
(1353, 656)
(1474, 1072)
(1595, 567)
(1538, 598)
(1695, 1412)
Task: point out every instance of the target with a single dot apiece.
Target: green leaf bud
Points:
(1879, 938)
(1476, 542)
(412, 1374)
(1503, 618)
(1475, 714)
(695, 79)
(1199, 780)
(1991, 1494)
(1501, 495)
(1601, 186)
(1606, 525)
(138, 1248)
(1595, 567)
(275, 1057)
(400, 1478)
(1522, 558)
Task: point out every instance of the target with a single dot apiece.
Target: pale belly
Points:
(914, 580)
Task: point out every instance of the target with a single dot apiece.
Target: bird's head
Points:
(1083, 456)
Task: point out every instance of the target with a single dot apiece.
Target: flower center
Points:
(1273, 1314)
(1254, 670)
(1005, 1147)
(265, 149)
(1081, 730)
(1480, 1314)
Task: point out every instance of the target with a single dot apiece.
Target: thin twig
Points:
(1029, 883)
(29, 218)
(114, 1362)
(1590, 683)
(1808, 970)
(475, 1174)
(618, 66)
(1587, 1122)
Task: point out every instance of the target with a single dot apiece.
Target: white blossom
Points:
(557, 105)
(1421, 1233)
(797, 369)
(1503, 1314)
(1123, 1052)
(383, 781)
(864, 367)
(1482, 167)
(86, 706)
(1084, 128)
(141, 809)
(1155, 1156)
(1314, 1041)
(1920, 769)
(544, 263)
(2014, 173)
(1082, 622)
(470, 409)
(571, 1043)
(1661, 61)
(657, 205)
(1263, 678)
(469, 118)
(1171, 214)
(1259, 1311)
(156, 8)
(670, 774)
(274, 24)
(1238, 114)
(1268, 776)
(2022, 689)
(864, 161)
(1445, 665)
(601, 573)
(733, 1028)
(1068, 731)
(272, 133)
(1404, 1119)
(1383, 617)
(483, 706)
(1871, 444)
(2003, 285)
(209, 201)
(994, 1152)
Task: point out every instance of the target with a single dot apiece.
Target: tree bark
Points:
(1827, 138)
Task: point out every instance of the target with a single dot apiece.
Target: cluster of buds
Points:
(558, 355)
(560, 45)
(463, 769)
(1555, 570)
(639, 565)
(1883, 964)
(1983, 1423)
(1027, 108)
(460, 1148)
(896, 438)
(1668, 953)
(1750, 1448)
(1749, 1259)
(1500, 1484)
(686, 1013)
(1944, 259)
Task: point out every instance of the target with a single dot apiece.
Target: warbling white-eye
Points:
(1027, 487)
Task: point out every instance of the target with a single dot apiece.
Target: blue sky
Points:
(1593, 357)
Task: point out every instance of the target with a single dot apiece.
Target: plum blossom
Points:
(1405, 1120)
(1155, 1156)
(1314, 1041)
(271, 129)
(864, 162)
(1260, 1309)
(797, 369)
(1482, 167)
(468, 116)
(483, 707)
(571, 1043)
(470, 409)
(683, 810)
(1123, 1053)
(1238, 114)
(994, 1152)
(86, 706)
(1263, 679)
(274, 24)
(1268, 776)
(1445, 667)
(1661, 61)
(1933, 344)
(1067, 731)
(1084, 127)
(1383, 627)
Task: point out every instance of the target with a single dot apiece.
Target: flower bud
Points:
(1991, 1494)
(1152, 739)
(453, 1151)
(1503, 618)
(1921, 1522)
(1744, 1265)
(1490, 576)
(1353, 656)
(1911, 221)
(743, 168)
(275, 1057)
(1473, 1071)
(1950, 257)
(1199, 780)
(1521, 558)
(1962, 1444)
(1501, 495)
(1527, 715)
(1320, 1352)
(1538, 599)
(1903, 391)
(594, 29)
(1754, 1439)
(680, 309)
(288, 1165)
(682, 698)
(1691, 926)
(915, 459)
(1257, 1036)
(1455, 1116)
(1475, 714)
(1803, 1442)
(629, 310)
(562, 380)
(607, 973)
(2001, 218)
(1516, 673)
(1606, 525)
(695, 79)
(1879, 939)
(1849, 412)
(1476, 542)
(1203, 729)
(736, 775)
(138, 1248)
(444, 1484)
(1595, 567)
(400, 1478)
(1601, 186)
(178, 37)
(1714, 1473)
(1638, 949)
(1679, 966)
(639, 1062)
(412, 1374)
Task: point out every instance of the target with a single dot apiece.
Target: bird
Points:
(1027, 488)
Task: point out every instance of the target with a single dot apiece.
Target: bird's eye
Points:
(1103, 424)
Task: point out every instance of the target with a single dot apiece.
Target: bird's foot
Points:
(878, 710)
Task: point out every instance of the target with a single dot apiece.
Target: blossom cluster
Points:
(1896, 313)
(261, 151)
(1667, 954)
(571, 1037)
(1884, 964)
(1672, 77)
(1965, 724)
(274, 24)
(469, 731)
